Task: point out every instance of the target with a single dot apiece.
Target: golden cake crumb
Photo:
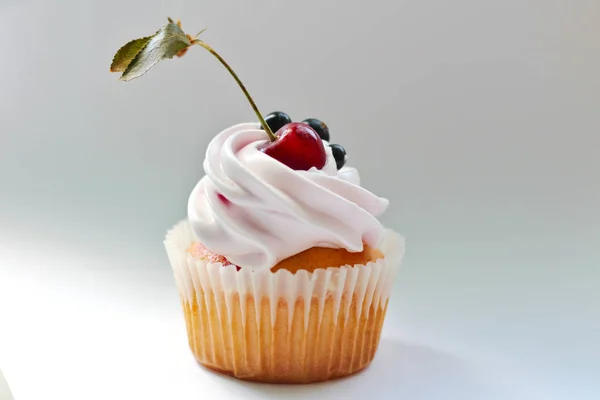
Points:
(310, 259)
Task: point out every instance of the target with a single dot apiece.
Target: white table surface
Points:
(72, 330)
(4, 389)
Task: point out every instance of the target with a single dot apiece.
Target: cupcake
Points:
(283, 270)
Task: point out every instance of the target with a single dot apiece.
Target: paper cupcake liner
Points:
(283, 327)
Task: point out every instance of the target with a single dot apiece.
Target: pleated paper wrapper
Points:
(283, 327)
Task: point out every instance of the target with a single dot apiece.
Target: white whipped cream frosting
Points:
(255, 211)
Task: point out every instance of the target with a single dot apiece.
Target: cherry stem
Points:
(265, 126)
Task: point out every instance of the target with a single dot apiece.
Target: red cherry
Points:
(298, 146)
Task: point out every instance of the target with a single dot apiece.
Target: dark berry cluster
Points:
(278, 119)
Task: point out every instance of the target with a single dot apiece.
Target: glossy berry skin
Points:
(277, 120)
(298, 146)
(319, 126)
(339, 153)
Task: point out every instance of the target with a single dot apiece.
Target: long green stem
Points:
(212, 51)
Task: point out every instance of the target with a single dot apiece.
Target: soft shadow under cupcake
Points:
(400, 370)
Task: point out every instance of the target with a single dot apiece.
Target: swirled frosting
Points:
(256, 211)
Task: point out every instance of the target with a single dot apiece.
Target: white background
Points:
(477, 119)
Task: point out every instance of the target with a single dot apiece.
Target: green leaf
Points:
(127, 53)
(166, 43)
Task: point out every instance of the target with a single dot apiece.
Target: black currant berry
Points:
(339, 153)
(276, 120)
(319, 127)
